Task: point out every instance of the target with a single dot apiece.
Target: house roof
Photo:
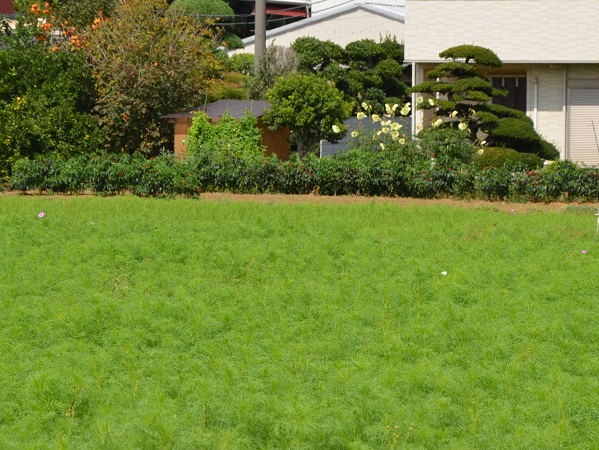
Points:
(393, 12)
(216, 110)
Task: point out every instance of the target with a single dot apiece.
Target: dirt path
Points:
(318, 199)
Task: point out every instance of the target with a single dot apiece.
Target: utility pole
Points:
(260, 33)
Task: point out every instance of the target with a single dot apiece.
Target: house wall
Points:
(516, 30)
(551, 103)
(343, 29)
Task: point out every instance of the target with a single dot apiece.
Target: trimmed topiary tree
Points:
(466, 101)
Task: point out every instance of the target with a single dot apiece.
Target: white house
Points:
(550, 53)
(341, 24)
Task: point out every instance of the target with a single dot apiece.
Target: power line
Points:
(283, 18)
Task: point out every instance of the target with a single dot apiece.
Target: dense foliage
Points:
(466, 97)
(226, 138)
(47, 91)
(411, 173)
(364, 71)
(312, 108)
(149, 62)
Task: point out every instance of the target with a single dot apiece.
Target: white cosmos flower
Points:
(382, 146)
(396, 126)
(375, 118)
(394, 134)
(444, 273)
(437, 123)
(388, 108)
(463, 126)
(402, 141)
(453, 114)
(336, 129)
(431, 102)
(360, 115)
(385, 130)
(355, 133)
(420, 100)
(366, 106)
(480, 152)
(405, 110)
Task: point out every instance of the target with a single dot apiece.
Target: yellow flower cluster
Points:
(388, 126)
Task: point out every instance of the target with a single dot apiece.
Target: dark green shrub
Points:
(388, 68)
(548, 150)
(166, 176)
(449, 147)
(315, 54)
(569, 182)
(499, 157)
(364, 50)
(114, 174)
(388, 173)
(493, 183)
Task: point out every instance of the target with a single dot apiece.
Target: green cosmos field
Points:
(192, 324)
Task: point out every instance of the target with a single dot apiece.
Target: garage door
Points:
(583, 130)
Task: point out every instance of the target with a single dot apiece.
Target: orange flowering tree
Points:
(148, 61)
(46, 89)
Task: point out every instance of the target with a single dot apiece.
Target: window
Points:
(516, 88)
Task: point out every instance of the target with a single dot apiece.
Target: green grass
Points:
(137, 323)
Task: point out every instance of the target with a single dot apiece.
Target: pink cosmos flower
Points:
(584, 252)
(41, 214)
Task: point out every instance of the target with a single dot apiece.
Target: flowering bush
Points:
(387, 135)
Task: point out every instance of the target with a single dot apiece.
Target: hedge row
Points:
(355, 173)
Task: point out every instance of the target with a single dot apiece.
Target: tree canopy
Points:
(148, 62)
(311, 107)
(364, 70)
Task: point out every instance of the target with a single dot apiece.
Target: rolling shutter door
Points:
(584, 114)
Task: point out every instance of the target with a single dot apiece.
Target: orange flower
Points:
(35, 9)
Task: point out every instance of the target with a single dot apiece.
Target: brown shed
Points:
(275, 141)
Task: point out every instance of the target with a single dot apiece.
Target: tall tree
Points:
(149, 61)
